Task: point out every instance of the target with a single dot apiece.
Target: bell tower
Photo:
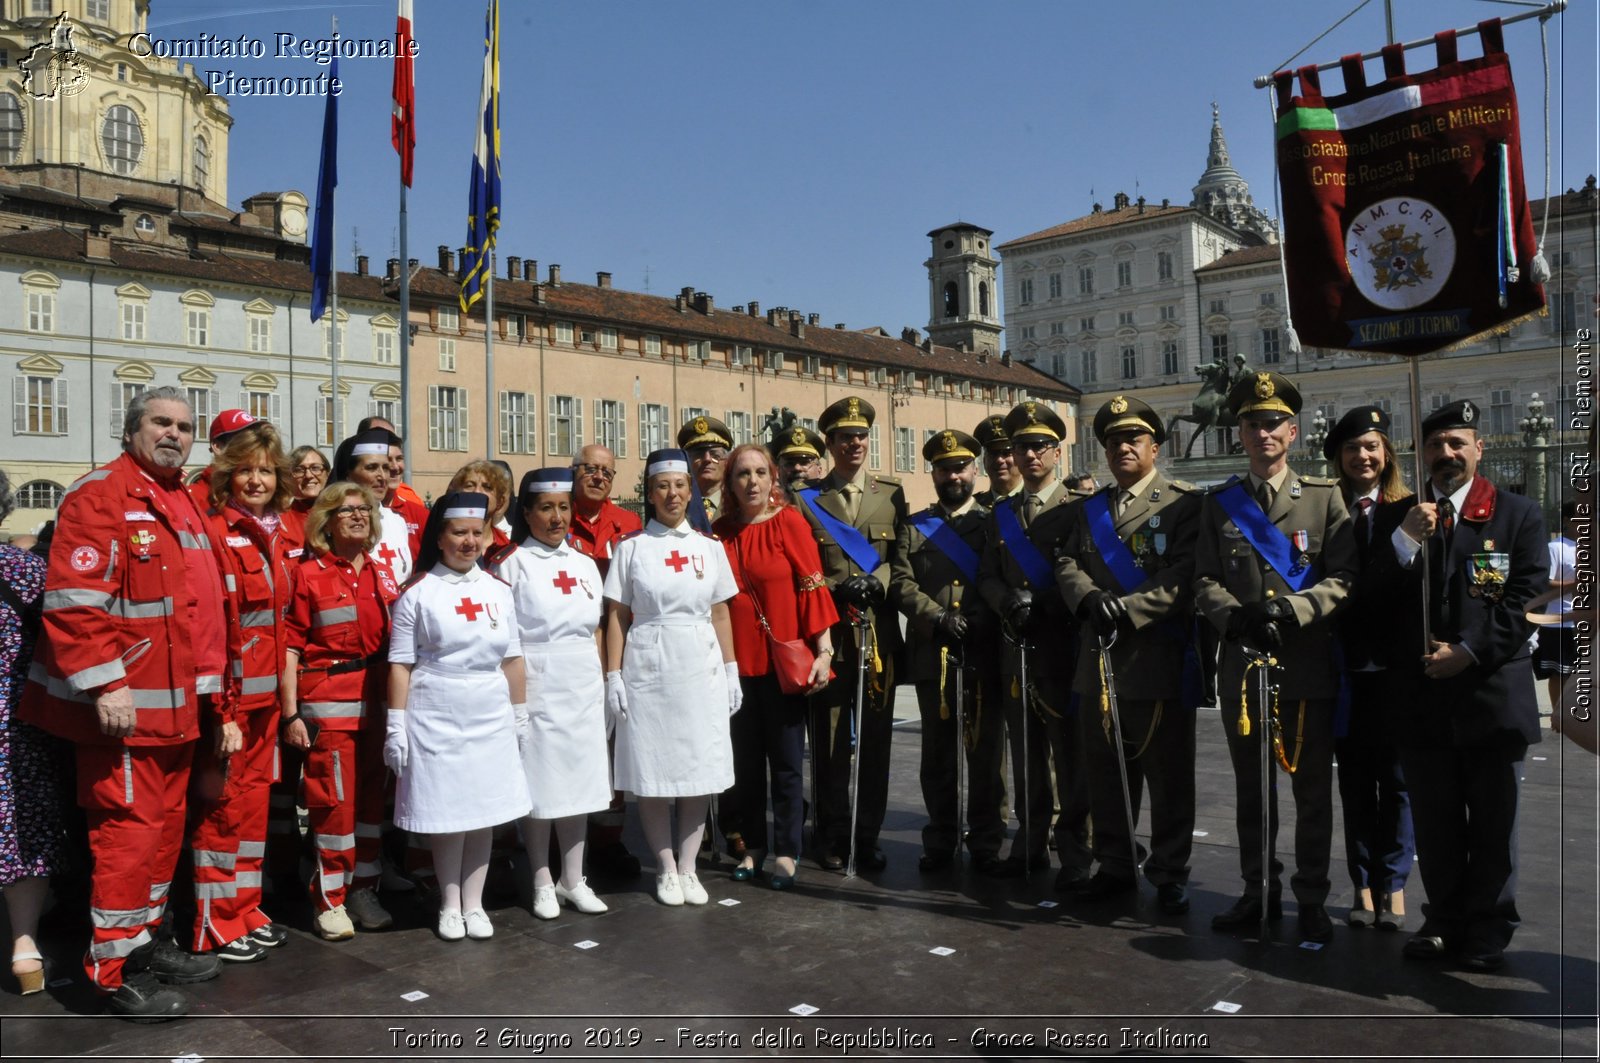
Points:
(963, 308)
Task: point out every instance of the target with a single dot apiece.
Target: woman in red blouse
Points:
(779, 574)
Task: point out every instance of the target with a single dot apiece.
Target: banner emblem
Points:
(1407, 261)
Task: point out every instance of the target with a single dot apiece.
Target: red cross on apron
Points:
(469, 609)
(565, 582)
(676, 561)
(388, 554)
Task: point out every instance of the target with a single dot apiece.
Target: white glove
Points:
(524, 728)
(616, 701)
(396, 744)
(735, 689)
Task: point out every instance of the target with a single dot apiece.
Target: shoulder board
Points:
(890, 480)
(1319, 481)
(1074, 492)
(498, 579)
(625, 536)
(1186, 487)
(926, 511)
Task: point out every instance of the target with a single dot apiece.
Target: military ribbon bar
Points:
(857, 547)
(1034, 567)
(938, 531)
(1267, 539)
(1118, 558)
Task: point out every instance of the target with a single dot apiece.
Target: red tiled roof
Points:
(1244, 256)
(1102, 219)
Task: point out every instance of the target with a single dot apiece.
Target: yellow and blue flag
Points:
(483, 199)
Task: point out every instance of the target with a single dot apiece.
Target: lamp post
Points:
(1536, 428)
(1317, 435)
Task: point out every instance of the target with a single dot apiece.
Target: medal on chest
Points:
(1302, 543)
(1488, 572)
(699, 564)
(470, 609)
(142, 542)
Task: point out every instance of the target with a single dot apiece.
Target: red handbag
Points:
(792, 659)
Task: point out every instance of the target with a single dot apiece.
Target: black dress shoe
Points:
(1315, 924)
(173, 966)
(1423, 946)
(1102, 887)
(1246, 912)
(141, 998)
(871, 858)
(1482, 957)
(1073, 879)
(935, 860)
(1173, 898)
(831, 861)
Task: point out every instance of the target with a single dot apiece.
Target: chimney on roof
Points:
(1141, 204)
(703, 303)
(513, 267)
(910, 335)
(555, 274)
(413, 263)
(682, 302)
(461, 256)
(839, 325)
(773, 315)
(927, 345)
(1097, 208)
(687, 291)
(97, 246)
(361, 265)
(538, 291)
(753, 308)
(983, 357)
(1005, 358)
(1166, 203)
(602, 279)
(797, 326)
(392, 270)
(1119, 201)
(812, 319)
(445, 265)
(530, 270)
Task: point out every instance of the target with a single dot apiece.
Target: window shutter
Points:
(505, 422)
(277, 410)
(116, 410)
(19, 404)
(622, 429)
(433, 418)
(461, 420)
(61, 407)
(577, 426)
(550, 421)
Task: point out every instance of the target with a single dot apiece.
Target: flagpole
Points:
(405, 334)
(333, 301)
(402, 131)
(490, 407)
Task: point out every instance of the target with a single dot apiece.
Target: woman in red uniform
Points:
(308, 471)
(249, 492)
(333, 681)
(779, 575)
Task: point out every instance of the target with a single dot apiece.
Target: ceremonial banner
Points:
(403, 124)
(483, 196)
(1406, 224)
(322, 279)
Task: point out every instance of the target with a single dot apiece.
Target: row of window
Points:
(1086, 279)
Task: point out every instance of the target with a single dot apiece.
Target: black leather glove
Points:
(951, 626)
(1102, 611)
(1018, 609)
(1245, 619)
(1266, 635)
(861, 591)
(1281, 612)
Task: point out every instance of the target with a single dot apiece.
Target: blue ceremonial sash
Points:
(1034, 567)
(1118, 558)
(938, 531)
(857, 547)
(1259, 531)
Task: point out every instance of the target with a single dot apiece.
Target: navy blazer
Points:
(1494, 698)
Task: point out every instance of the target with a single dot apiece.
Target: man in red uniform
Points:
(132, 642)
(597, 524)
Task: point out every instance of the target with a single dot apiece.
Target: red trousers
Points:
(134, 798)
(344, 783)
(229, 840)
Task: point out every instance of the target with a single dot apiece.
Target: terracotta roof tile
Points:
(1244, 256)
(1103, 219)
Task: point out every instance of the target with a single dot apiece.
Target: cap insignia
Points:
(1119, 405)
(1467, 413)
(1377, 418)
(1028, 406)
(854, 409)
(1265, 388)
(948, 441)
(700, 425)
(797, 436)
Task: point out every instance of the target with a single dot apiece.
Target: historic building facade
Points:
(1139, 297)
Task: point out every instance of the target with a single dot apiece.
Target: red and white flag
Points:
(403, 125)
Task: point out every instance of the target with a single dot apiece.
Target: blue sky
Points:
(796, 154)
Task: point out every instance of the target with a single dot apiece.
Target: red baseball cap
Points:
(228, 422)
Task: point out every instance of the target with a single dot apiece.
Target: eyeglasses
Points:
(310, 470)
(714, 453)
(1026, 445)
(596, 470)
(352, 511)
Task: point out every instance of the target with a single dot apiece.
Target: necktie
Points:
(1030, 509)
(1447, 520)
(1124, 500)
(852, 501)
(1264, 496)
(1364, 519)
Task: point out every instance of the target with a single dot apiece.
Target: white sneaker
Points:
(334, 925)
(580, 897)
(478, 926)
(693, 892)
(667, 889)
(451, 926)
(544, 902)
(368, 913)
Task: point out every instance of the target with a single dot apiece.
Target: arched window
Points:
(202, 163)
(122, 139)
(40, 494)
(983, 298)
(952, 300)
(11, 126)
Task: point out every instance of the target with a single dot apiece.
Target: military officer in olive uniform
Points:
(707, 441)
(1275, 559)
(999, 465)
(1017, 581)
(942, 547)
(856, 517)
(1126, 570)
(798, 452)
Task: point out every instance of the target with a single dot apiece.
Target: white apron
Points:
(567, 763)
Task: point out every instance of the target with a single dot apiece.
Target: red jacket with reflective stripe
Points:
(115, 614)
(337, 616)
(258, 579)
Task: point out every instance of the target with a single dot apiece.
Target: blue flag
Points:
(483, 198)
(327, 181)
